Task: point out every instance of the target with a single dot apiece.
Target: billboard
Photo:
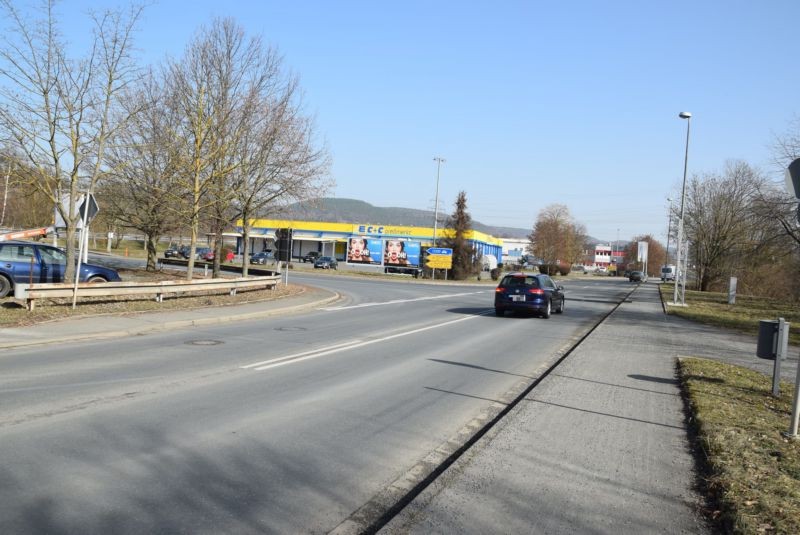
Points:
(363, 250)
(390, 252)
(401, 253)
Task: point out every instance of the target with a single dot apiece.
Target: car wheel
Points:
(96, 279)
(547, 310)
(560, 309)
(499, 312)
(5, 286)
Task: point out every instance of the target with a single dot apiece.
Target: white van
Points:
(668, 273)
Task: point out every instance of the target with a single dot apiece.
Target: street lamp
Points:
(669, 228)
(439, 161)
(680, 281)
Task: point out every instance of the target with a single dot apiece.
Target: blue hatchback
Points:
(528, 292)
(24, 262)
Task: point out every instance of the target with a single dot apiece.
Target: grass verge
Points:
(14, 314)
(712, 308)
(753, 470)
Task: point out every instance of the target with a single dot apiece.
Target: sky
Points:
(530, 103)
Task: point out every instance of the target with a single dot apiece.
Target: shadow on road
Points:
(482, 368)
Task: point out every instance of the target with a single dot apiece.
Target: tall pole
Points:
(669, 229)
(438, 160)
(680, 281)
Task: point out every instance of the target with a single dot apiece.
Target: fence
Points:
(31, 292)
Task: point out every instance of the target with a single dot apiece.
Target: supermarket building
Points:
(331, 239)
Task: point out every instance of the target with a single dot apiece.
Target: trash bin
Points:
(767, 347)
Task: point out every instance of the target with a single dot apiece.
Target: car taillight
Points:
(500, 290)
(536, 291)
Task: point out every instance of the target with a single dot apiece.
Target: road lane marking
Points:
(396, 301)
(353, 344)
(296, 355)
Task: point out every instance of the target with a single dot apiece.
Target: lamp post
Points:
(669, 229)
(439, 161)
(680, 281)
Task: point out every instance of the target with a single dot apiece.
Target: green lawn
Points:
(713, 308)
(753, 470)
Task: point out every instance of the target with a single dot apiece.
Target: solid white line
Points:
(396, 301)
(350, 345)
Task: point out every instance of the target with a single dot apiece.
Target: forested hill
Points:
(355, 211)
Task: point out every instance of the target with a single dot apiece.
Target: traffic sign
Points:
(91, 205)
(439, 261)
(793, 178)
(440, 251)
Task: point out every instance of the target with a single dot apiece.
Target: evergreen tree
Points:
(459, 225)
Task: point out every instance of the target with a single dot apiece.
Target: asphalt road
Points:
(279, 425)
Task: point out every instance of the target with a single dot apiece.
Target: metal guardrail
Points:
(31, 292)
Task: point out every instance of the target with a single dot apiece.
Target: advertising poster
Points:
(401, 253)
(362, 250)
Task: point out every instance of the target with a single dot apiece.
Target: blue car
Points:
(528, 292)
(24, 262)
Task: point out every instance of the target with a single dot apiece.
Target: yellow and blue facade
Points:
(330, 239)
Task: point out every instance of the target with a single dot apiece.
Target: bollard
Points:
(773, 343)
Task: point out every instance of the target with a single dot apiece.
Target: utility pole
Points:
(439, 160)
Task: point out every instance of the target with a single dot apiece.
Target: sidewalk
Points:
(600, 446)
(115, 326)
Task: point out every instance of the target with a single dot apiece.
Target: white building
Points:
(513, 249)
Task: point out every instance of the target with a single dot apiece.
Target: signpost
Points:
(793, 187)
(439, 258)
(88, 208)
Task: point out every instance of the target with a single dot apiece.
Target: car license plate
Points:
(518, 298)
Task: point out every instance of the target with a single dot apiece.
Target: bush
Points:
(495, 273)
(555, 269)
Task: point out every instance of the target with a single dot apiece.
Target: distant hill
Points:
(355, 211)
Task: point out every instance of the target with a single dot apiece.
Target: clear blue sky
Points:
(531, 103)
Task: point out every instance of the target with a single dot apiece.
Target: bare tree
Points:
(144, 190)
(58, 112)
(656, 254)
(247, 147)
(279, 163)
(774, 202)
(721, 225)
(556, 238)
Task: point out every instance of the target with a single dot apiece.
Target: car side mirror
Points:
(560, 287)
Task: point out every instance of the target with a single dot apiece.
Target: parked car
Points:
(637, 276)
(204, 253)
(326, 262)
(22, 262)
(310, 257)
(264, 257)
(177, 251)
(529, 292)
